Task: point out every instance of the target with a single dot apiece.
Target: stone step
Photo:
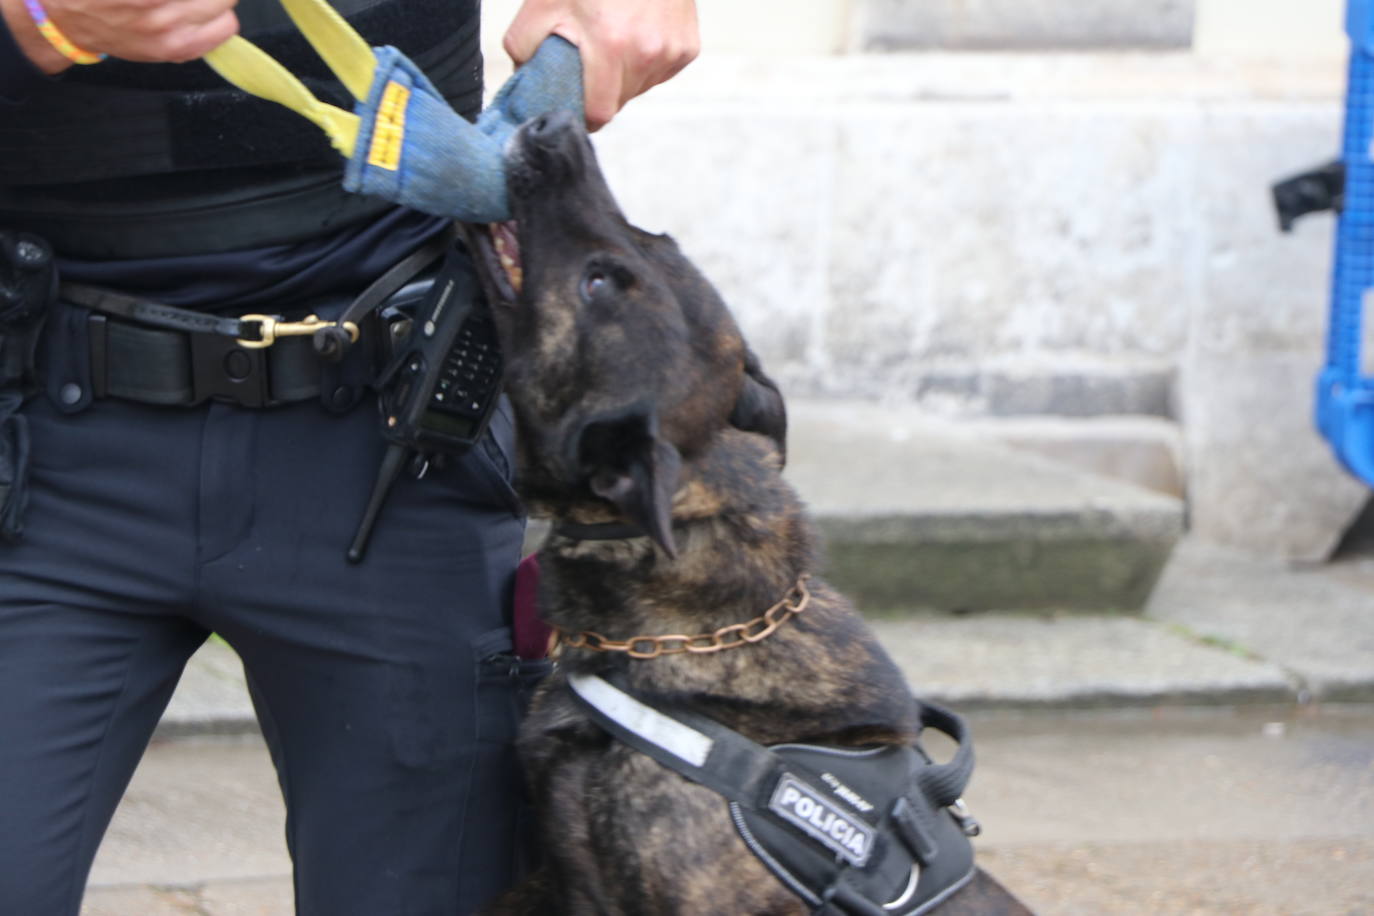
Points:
(1144, 451)
(1221, 629)
(211, 698)
(924, 513)
(1080, 390)
(918, 514)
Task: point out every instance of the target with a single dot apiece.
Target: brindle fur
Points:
(636, 398)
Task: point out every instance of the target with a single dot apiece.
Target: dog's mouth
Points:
(498, 250)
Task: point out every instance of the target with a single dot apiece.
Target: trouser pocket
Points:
(14, 466)
(505, 684)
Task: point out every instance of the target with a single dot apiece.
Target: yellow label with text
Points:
(389, 128)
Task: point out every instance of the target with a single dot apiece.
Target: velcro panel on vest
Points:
(856, 818)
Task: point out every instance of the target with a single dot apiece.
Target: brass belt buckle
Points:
(271, 327)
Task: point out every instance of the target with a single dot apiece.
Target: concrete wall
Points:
(900, 25)
(1218, 28)
(936, 202)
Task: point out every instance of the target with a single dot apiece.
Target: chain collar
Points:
(727, 637)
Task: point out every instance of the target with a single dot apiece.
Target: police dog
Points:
(638, 405)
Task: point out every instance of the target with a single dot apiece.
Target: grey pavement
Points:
(1211, 812)
(1316, 624)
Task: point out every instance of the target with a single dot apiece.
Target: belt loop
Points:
(65, 372)
(344, 383)
(100, 372)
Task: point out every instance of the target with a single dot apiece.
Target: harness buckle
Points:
(270, 327)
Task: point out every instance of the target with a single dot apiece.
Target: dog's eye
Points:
(594, 283)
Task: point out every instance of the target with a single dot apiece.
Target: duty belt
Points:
(156, 354)
(174, 368)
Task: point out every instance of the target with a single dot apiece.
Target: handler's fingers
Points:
(530, 26)
(604, 90)
(196, 41)
(627, 46)
(181, 42)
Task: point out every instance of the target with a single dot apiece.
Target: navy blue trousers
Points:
(385, 691)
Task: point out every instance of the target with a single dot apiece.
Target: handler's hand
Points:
(627, 46)
(153, 31)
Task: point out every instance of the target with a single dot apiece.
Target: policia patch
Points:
(843, 832)
(855, 831)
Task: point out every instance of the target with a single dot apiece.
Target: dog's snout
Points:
(547, 148)
(554, 143)
(550, 127)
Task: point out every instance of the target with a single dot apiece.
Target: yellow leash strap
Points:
(345, 52)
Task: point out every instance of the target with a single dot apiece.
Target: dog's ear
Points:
(628, 464)
(760, 408)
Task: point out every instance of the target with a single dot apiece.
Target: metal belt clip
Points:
(270, 327)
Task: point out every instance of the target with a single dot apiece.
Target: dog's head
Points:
(622, 361)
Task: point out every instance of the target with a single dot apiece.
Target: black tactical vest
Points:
(145, 160)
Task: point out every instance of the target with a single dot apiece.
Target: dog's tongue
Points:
(507, 246)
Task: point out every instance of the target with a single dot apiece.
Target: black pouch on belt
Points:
(28, 285)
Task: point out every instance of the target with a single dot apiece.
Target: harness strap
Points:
(729, 763)
(944, 783)
(837, 861)
(704, 751)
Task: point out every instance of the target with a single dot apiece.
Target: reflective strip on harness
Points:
(680, 740)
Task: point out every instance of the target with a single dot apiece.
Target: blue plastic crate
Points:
(1345, 392)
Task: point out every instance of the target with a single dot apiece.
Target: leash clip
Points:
(270, 328)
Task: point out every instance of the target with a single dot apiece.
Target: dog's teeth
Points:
(507, 260)
(513, 271)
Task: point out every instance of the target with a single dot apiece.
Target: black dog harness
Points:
(859, 832)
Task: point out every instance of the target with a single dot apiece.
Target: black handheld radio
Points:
(442, 383)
